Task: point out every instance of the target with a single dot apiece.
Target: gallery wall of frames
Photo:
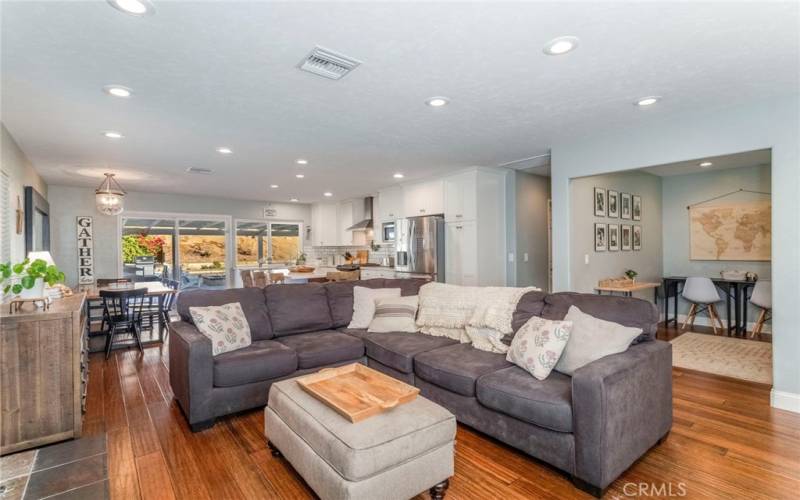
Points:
(618, 231)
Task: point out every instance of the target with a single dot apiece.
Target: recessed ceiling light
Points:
(294, 200)
(301, 161)
(111, 134)
(706, 164)
(437, 102)
(398, 175)
(300, 176)
(224, 151)
(327, 193)
(648, 101)
(117, 91)
(273, 186)
(561, 45)
(134, 7)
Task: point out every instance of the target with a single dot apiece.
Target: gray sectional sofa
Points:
(592, 425)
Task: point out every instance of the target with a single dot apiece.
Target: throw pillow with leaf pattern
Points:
(538, 345)
(226, 326)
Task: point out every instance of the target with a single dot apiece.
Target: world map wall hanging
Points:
(731, 231)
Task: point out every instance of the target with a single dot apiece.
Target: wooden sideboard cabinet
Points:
(44, 368)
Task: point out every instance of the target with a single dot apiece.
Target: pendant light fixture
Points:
(109, 196)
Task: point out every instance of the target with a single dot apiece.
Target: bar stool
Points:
(703, 295)
(762, 297)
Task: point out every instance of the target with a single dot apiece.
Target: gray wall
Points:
(20, 173)
(659, 138)
(679, 191)
(531, 195)
(647, 261)
(67, 202)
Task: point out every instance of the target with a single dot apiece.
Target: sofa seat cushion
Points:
(397, 350)
(458, 367)
(513, 391)
(323, 348)
(298, 308)
(355, 332)
(261, 360)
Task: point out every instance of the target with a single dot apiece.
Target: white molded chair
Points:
(762, 297)
(703, 295)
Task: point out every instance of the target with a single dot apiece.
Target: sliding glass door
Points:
(147, 249)
(202, 252)
(260, 243)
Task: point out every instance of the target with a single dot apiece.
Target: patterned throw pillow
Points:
(225, 325)
(538, 345)
(364, 304)
(395, 314)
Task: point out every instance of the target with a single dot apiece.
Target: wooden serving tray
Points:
(356, 391)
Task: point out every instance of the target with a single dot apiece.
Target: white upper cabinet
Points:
(324, 224)
(460, 197)
(424, 198)
(461, 253)
(390, 204)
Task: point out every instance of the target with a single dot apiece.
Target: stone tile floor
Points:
(72, 469)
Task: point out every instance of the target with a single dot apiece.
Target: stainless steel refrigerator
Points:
(419, 246)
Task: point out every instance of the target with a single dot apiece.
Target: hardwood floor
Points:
(726, 442)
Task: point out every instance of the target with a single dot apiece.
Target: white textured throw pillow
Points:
(364, 304)
(538, 345)
(225, 325)
(591, 339)
(395, 314)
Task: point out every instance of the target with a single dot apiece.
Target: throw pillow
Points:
(591, 339)
(226, 326)
(395, 314)
(538, 345)
(364, 304)
(487, 339)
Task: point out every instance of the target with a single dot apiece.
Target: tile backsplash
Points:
(327, 255)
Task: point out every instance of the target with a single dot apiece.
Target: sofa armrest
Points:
(191, 370)
(622, 406)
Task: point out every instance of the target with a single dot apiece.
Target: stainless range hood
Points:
(366, 222)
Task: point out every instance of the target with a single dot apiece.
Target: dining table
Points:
(736, 294)
(155, 289)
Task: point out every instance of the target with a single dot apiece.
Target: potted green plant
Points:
(301, 259)
(631, 274)
(26, 279)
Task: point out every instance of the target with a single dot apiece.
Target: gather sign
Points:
(85, 250)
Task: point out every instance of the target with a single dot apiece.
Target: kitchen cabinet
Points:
(460, 196)
(461, 253)
(390, 204)
(424, 198)
(324, 224)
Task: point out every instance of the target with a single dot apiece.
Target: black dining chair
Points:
(152, 312)
(122, 310)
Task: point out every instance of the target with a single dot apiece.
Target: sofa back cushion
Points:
(298, 308)
(340, 299)
(627, 311)
(251, 300)
(407, 286)
(531, 304)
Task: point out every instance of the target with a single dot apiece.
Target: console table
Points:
(44, 371)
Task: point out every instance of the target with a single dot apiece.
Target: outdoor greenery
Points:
(140, 245)
(21, 276)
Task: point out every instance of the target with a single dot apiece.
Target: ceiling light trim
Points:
(561, 45)
(137, 8)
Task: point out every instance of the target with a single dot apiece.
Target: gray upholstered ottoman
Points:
(395, 455)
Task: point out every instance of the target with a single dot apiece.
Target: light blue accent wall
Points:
(655, 138)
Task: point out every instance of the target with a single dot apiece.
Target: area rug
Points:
(727, 356)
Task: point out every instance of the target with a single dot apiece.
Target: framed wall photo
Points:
(637, 207)
(625, 205)
(613, 237)
(637, 237)
(600, 237)
(625, 237)
(613, 204)
(600, 202)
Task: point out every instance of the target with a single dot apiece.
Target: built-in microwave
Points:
(388, 231)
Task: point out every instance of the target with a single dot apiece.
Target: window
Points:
(5, 218)
(259, 243)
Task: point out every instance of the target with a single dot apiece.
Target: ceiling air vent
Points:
(327, 63)
(198, 170)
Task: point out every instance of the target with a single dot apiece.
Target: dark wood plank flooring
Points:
(726, 442)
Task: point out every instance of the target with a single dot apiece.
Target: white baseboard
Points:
(705, 321)
(782, 400)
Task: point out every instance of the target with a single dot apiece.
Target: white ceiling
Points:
(211, 74)
(757, 158)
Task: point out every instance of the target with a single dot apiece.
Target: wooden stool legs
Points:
(762, 317)
(713, 315)
(690, 317)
